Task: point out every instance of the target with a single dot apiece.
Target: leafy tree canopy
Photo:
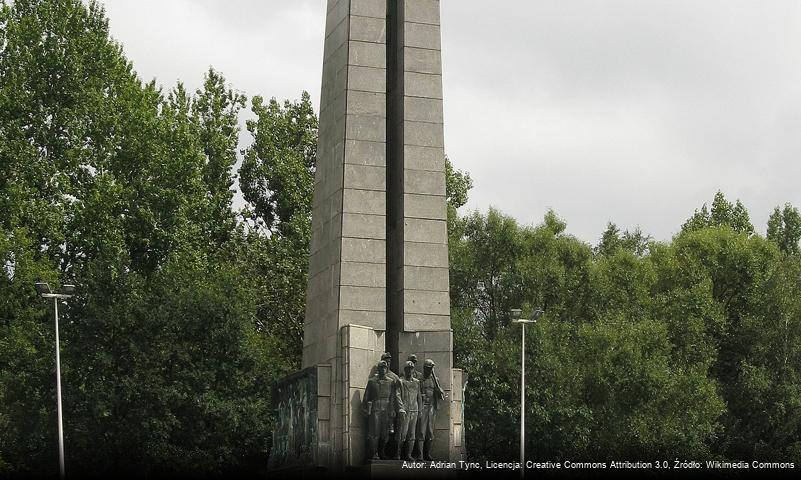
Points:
(723, 213)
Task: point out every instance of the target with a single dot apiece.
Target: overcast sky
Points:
(625, 110)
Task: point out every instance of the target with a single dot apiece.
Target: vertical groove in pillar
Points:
(395, 165)
(342, 414)
(344, 155)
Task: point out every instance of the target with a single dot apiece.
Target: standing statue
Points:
(412, 401)
(431, 394)
(381, 400)
(387, 357)
(415, 373)
(417, 453)
(393, 425)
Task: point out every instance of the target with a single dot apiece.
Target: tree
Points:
(699, 220)
(610, 388)
(457, 186)
(216, 110)
(172, 377)
(277, 174)
(722, 210)
(64, 92)
(740, 220)
(736, 268)
(277, 181)
(784, 229)
(111, 184)
(612, 373)
(27, 390)
(610, 240)
(723, 213)
(484, 277)
(770, 375)
(635, 242)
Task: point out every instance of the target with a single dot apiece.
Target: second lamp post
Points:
(43, 289)
(516, 312)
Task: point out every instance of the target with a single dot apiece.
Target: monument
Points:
(378, 272)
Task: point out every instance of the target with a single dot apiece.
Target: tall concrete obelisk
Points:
(378, 273)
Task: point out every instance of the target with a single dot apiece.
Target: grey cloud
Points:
(625, 110)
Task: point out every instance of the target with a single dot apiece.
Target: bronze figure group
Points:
(404, 406)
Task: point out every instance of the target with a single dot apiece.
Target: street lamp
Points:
(515, 313)
(66, 292)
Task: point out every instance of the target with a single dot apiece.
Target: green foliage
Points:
(723, 213)
(215, 111)
(553, 223)
(27, 390)
(277, 179)
(612, 388)
(277, 174)
(171, 376)
(457, 185)
(680, 349)
(125, 191)
(765, 396)
(483, 269)
(635, 242)
(784, 229)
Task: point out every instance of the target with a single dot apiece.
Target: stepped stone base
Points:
(319, 417)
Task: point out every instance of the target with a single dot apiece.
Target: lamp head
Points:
(515, 313)
(43, 288)
(69, 289)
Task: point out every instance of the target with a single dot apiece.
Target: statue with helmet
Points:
(387, 357)
(431, 394)
(415, 373)
(407, 421)
(381, 402)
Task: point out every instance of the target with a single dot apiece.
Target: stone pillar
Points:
(378, 269)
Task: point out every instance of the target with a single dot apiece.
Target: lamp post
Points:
(66, 292)
(515, 313)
